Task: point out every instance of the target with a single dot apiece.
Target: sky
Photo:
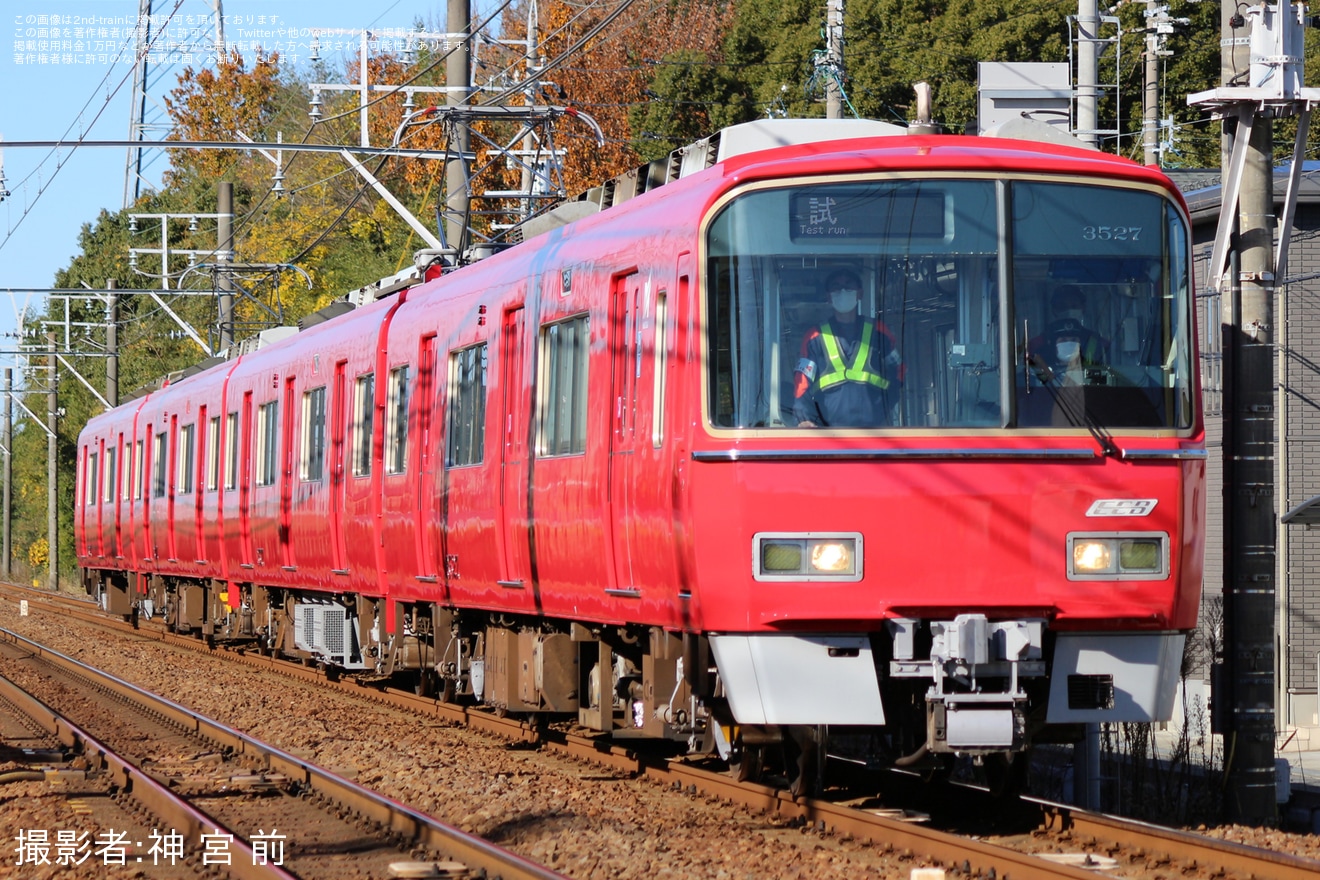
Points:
(80, 90)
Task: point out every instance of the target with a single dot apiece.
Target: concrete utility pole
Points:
(458, 67)
(1150, 124)
(1249, 514)
(224, 233)
(6, 565)
(1088, 72)
(531, 171)
(1158, 26)
(1255, 91)
(52, 468)
(112, 344)
(834, 55)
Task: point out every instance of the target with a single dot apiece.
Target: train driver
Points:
(849, 369)
(1067, 342)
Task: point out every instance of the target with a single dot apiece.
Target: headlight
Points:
(1118, 556)
(806, 556)
(832, 556)
(1092, 557)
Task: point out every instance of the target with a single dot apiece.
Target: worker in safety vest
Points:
(1067, 343)
(849, 370)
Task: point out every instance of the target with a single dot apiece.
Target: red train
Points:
(895, 436)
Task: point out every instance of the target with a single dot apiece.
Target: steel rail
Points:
(88, 612)
(411, 824)
(893, 834)
(1183, 846)
(972, 857)
(162, 803)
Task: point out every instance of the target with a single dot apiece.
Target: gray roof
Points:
(1201, 187)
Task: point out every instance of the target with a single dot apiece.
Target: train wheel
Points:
(803, 761)
(745, 763)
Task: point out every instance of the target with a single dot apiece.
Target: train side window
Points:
(268, 426)
(313, 439)
(231, 450)
(126, 471)
(158, 466)
(660, 356)
(396, 427)
(137, 469)
(467, 407)
(108, 487)
(213, 454)
(187, 444)
(364, 412)
(89, 480)
(563, 372)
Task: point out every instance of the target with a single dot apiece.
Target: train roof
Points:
(943, 152)
(761, 149)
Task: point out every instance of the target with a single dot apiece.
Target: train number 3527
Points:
(1111, 233)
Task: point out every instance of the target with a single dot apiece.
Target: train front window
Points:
(922, 255)
(1100, 300)
(916, 303)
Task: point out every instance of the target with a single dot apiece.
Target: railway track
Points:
(1060, 841)
(180, 829)
(226, 801)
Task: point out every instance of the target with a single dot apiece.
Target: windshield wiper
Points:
(1050, 380)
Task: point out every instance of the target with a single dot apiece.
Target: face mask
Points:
(843, 300)
(1067, 350)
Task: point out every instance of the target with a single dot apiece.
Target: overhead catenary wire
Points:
(27, 209)
(362, 188)
(250, 216)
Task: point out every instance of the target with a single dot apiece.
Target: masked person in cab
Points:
(849, 371)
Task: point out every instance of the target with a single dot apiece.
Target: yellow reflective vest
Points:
(857, 371)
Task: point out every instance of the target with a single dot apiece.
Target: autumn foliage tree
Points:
(607, 67)
(221, 104)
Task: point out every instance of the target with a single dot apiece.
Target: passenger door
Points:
(287, 476)
(627, 439)
(336, 464)
(515, 455)
(427, 408)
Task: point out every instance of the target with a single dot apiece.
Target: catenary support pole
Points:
(458, 76)
(224, 231)
(1150, 122)
(52, 467)
(6, 566)
(112, 344)
(1249, 478)
(834, 50)
(1088, 72)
